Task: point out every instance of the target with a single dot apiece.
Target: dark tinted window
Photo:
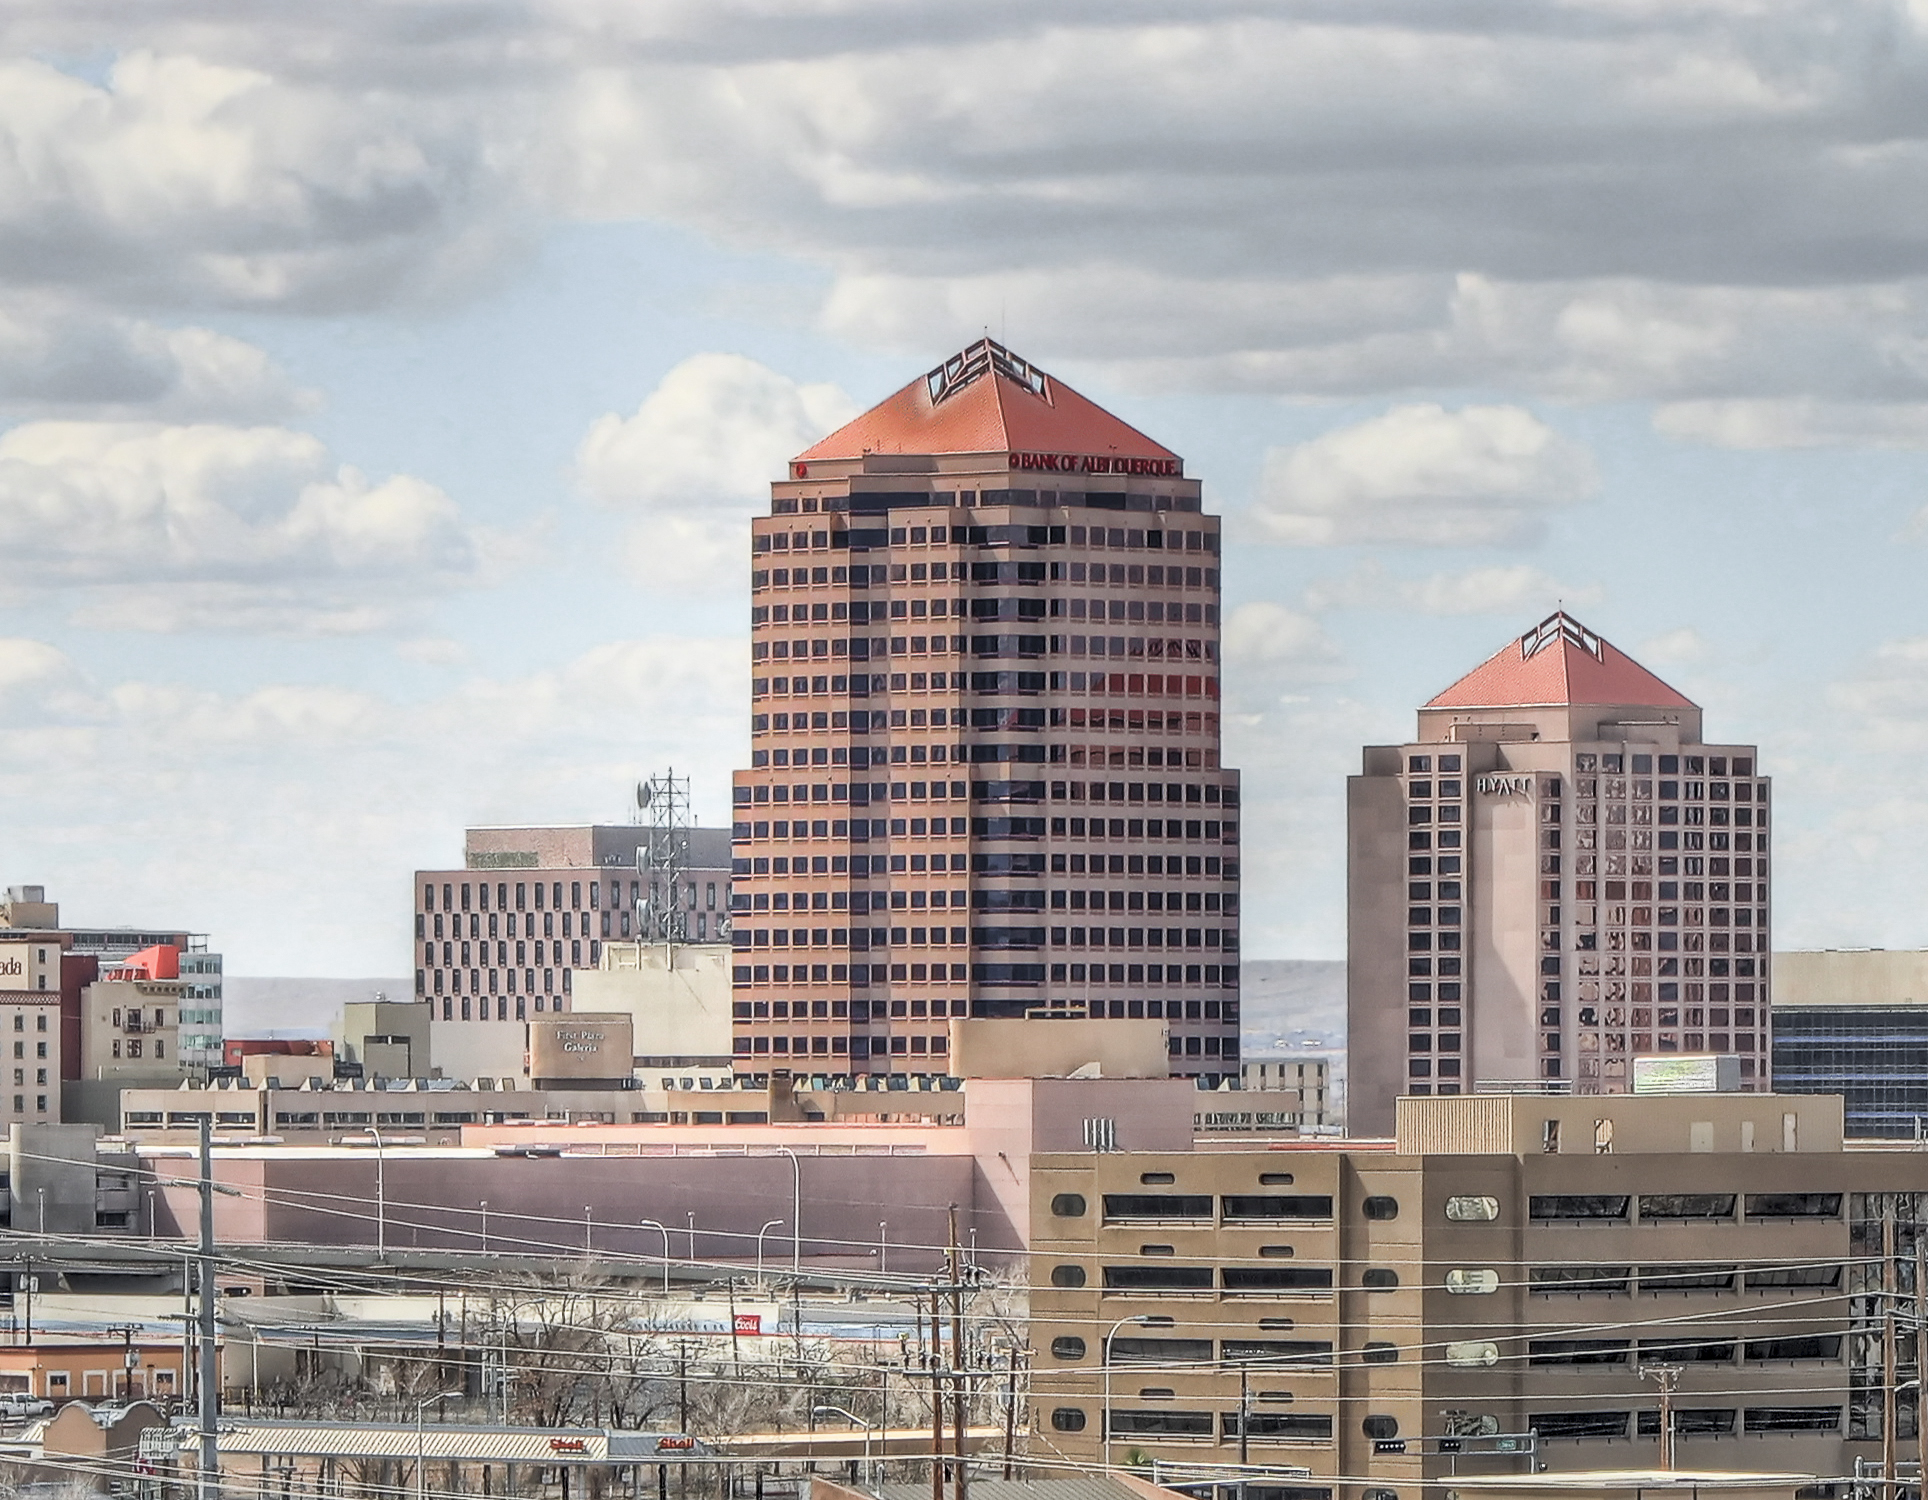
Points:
(1578, 1351)
(1805, 1346)
(1687, 1278)
(1380, 1428)
(1277, 1351)
(1270, 1207)
(1068, 1205)
(1686, 1205)
(1276, 1279)
(1378, 1279)
(1379, 1206)
(1068, 1276)
(1554, 1207)
(1793, 1418)
(1158, 1206)
(1067, 1346)
(1163, 1423)
(1793, 1205)
(1282, 1425)
(1161, 1351)
(1381, 1354)
(1580, 1279)
(1158, 1278)
(1067, 1419)
(1578, 1424)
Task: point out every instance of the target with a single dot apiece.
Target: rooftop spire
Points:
(1557, 662)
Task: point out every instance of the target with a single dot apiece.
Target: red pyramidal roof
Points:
(986, 400)
(1559, 661)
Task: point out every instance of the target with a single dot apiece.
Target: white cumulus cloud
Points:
(1498, 589)
(696, 460)
(1420, 475)
(160, 527)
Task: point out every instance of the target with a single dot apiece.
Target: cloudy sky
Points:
(384, 388)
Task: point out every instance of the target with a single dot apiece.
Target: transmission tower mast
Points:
(662, 857)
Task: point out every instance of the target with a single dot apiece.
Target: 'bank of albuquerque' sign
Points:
(1097, 463)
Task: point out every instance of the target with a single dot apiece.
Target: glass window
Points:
(1472, 1210)
(1477, 1282)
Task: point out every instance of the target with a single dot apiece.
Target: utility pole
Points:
(1011, 1410)
(960, 1387)
(937, 1396)
(209, 1485)
(1668, 1379)
(1921, 1347)
(1244, 1420)
(1888, 1392)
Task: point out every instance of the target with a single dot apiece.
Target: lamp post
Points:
(855, 1421)
(796, 1209)
(588, 1228)
(1141, 1320)
(421, 1441)
(485, 1226)
(663, 1230)
(767, 1227)
(381, 1196)
(690, 1214)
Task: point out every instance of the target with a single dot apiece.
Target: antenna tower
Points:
(662, 856)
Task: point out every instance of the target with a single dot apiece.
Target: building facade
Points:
(27, 915)
(1486, 1296)
(1854, 1022)
(501, 940)
(1555, 876)
(985, 632)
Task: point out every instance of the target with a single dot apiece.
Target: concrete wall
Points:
(1852, 976)
(1019, 1048)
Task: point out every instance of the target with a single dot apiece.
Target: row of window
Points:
(1702, 1421)
(855, 1047)
(865, 939)
(1642, 764)
(1611, 1281)
(1006, 789)
(989, 863)
(1006, 535)
(1188, 975)
(862, 830)
(875, 575)
(858, 612)
(475, 985)
(1597, 1208)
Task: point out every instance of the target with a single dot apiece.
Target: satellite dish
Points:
(642, 794)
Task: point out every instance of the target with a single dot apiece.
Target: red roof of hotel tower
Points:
(986, 400)
(1559, 661)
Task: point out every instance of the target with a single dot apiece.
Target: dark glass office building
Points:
(1874, 1056)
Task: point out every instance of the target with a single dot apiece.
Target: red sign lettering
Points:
(568, 1445)
(1097, 463)
(675, 1444)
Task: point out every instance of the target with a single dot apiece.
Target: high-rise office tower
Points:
(1555, 877)
(984, 777)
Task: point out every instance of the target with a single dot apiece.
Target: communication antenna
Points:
(662, 856)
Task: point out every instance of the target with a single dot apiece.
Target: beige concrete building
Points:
(1305, 1081)
(1555, 876)
(387, 1038)
(1479, 1297)
(503, 938)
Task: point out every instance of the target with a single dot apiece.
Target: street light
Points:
(663, 1230)
(851, 1417)
(767, 1227)
(485, 1226)
(421, 1455)
(588, 1226)
(1141, 1320)
(796, 1209)
(381, 1197)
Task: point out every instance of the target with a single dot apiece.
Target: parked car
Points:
(15, 1406)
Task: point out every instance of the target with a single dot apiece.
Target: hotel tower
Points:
(984, 772)
(1555, 877)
